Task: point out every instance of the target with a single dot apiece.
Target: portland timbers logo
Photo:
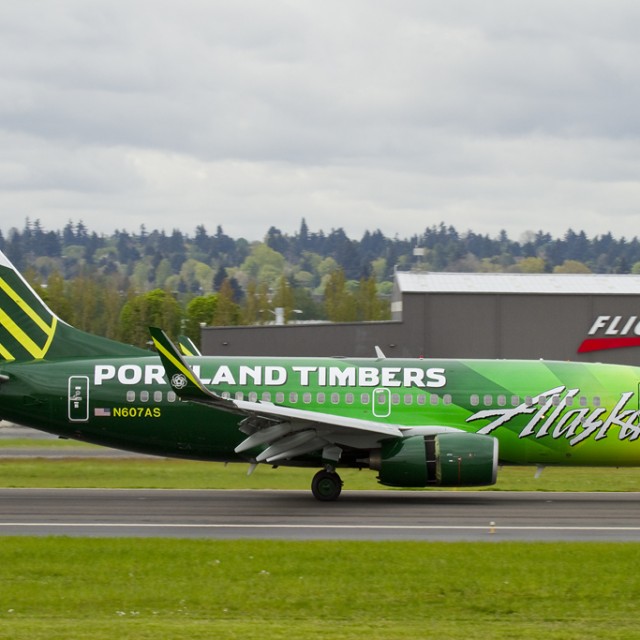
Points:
(178, 381)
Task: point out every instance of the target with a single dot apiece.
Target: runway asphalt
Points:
(295, 515)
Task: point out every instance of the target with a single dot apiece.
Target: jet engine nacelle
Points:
(446, 460)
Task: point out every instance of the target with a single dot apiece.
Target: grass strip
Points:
(183, 474)
(46, 443)
(147, 588)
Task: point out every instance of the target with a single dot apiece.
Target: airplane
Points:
(417, 422)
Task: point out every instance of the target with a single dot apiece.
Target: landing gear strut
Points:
(326, 486)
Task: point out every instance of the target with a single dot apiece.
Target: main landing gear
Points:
(326, 485)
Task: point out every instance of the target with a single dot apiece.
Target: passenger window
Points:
(349, 398)
(528, 401)
(475, 400)
(131, 396)
(335, 398)
(434, 399)
(293, 397)
(596, 401)
(422, 399)
(306, 398)
(239, 395)
(171, 396)
(157, 396)
(266, 396)
(279, 396)
(253, 396)
(364, 398)
(395, 398)
(408, 399)
(144, 396)
(488, 400)
(502, 400)
(447, 399)
(515, 401)
(321, 397)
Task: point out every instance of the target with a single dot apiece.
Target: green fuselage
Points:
(541, 412)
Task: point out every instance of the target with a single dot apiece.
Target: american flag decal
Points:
(101, 412)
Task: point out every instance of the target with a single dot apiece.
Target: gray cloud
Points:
(395, 115)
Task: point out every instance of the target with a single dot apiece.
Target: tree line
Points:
(117, 285)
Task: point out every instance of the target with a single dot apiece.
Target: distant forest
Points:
(116, 285)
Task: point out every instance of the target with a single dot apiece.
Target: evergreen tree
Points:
(201, 239)
(277, 241)
(227, 312)
(302, 241)
(220, 276)
(283, 297)
(369, 304)
(68, 234)
(338, 302)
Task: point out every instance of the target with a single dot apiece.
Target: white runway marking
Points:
(325, 527)
(288, 515)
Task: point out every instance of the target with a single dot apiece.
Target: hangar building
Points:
(582, 317)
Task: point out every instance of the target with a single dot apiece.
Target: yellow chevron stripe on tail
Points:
(27, 325)
(29, 330)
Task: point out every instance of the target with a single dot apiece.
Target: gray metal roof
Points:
(557, 283)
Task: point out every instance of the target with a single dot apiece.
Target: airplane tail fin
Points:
(29, 330)
(188, 347)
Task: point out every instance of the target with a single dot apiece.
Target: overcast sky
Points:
(360, 114)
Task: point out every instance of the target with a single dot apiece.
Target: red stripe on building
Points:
(602, 344)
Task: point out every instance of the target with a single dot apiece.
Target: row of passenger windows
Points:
(501, 400)
(335, 398)
(294, 397)
(381, 398)
(145, 396)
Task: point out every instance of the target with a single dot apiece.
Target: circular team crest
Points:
(178, 381)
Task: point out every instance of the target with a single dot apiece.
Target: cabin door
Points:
(78, 399)
(381, 402)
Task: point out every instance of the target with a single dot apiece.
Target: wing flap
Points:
(294, 444)
(319, 419)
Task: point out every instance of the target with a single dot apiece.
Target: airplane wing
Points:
(287, 432)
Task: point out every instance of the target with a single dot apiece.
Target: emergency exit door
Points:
(78, 399)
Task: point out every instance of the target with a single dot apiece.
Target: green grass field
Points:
(182, 474)
(58, 588)
(146, 588)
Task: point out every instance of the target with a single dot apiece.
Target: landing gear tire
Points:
(326, 486)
